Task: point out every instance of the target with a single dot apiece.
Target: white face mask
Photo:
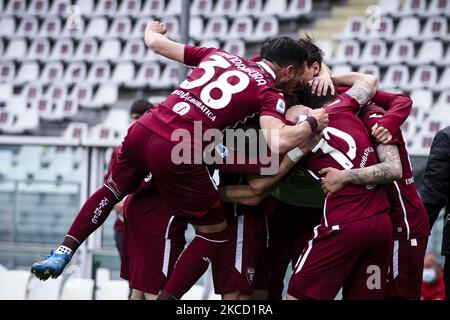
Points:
(429, 275)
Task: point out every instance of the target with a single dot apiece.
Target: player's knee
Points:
(137, 295)
(150, 296)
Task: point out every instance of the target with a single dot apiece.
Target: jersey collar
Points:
(266, 67)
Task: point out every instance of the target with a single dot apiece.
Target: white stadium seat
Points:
(397, 76)
(374, 52)
(412, 7)
(99, 72)
(120, 28)
(196, 28)
(28, 72)
(242, 27)
(63, 49)
(169, 77)
(340, 69)
(39, 50)
(438, 7)
(148, 74)
(424, 77)
(97, 27)
(370, 69)
(38, 7)
(75, 72)
(297, 8)
(173, 8)
(348, 51)
(327, 48)
(225, 8)
(211, 43)
(59, 7)
(7, 71)
(385, 29)
(16, 8)
(430, 51)
(355, 28)
(50, 28)
(443, 83)
(173, 27)
(249, 8)
(106, 95)
(100, 133)
(78, 289)
(52, 72)
(105, 8)
(117, 118)
(83, 92)
(139, 28)
(76, 130)
(87, 50)
(87, 7)
(408, 28)
(109, 50)
(153, 8)
(435, 27)
(28, 27)
(14, 285)
(236, 47)
(201, 8)
(16, 49)
(6, 91)
(274, 7)
(422, 101)
(7, 26)
(75, 28)
(388, 7)
(401, 51)
(134, 50)
(129, 8)
(123, 73)
(265, 28)
(217, 27)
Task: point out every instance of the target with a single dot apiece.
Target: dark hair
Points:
(315, 54)
(140, 107)
(306, 98)
(283, 51)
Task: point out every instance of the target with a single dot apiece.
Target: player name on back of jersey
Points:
(182, 109)
(253, 73)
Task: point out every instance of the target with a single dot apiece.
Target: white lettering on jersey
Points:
(376, 115)
(181, 108)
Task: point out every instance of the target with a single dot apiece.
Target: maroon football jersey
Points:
(222, 90)
(346, 145)
(408, 214)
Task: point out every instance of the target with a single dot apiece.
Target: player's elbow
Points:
(258, 186)
(373, 82)
(406, 101)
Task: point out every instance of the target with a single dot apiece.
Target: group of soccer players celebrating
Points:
(341, 206)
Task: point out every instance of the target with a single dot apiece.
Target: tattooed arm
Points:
(390, 169)
(363, 86)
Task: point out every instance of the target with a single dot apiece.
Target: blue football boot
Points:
(52, 266)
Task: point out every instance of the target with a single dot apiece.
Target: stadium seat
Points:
(169, 77)
(134, 50)
(86, 51)
(120, 28)
(76, 130)
(97, 28)
(59, 7)
(236, 47)
(435, 27)
(216, 28)
(109, 50)
(83, 93)
(75, 28)
(117, 118)
(6, 120)
(106, 95)
(28, 72)
(249, 8)
(50, 27)
(327, 48)
(139, 28)
(370, 69)
(211, 43)
(44, 290)
(105, 8)
(348, 51)
(153, 8)
(396, 76)
(38, 7)
(123, 73)
(39, 50)
(16, 104)
(388, 7)
(69, 108)
(196, 28)
(355, 28)
(438, 7)
(424, 77)
(32, 91)
(297, 8)
(99, 72)
(401, 51)
(412, 7)
(28, 27)
(242, 27)
(2, 47)
(408, 28)
(16, 50)
(385, 30)
(101, 134)
(422, 102)
(265, 28)
(7, 71)
(148, 74)
(173, 8)
(443, 82)
(113, 290)
(6, 91)
(430, 51)
(14, 285)
(16, 8)
(225, 8)
(129, 8)
(75, 72)
(52, 72)
(442, 105)
(78, 289)
(374, 52)
(62, 50)
(274, 7)
(201, 8)
(173, 27)
(7, 26)
(340, 69)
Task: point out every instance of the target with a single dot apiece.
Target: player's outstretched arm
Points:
(363, 86)
(389, 170)
(156, 40)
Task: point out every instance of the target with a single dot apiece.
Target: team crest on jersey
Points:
(182, 108)
(250, 275)
(281, 106)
